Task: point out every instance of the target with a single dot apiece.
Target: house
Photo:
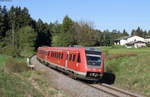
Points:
(131, 42)
(121, 41)
(135, 38)
(135, 44)
(147, 39)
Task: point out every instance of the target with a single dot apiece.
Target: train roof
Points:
(70, 48)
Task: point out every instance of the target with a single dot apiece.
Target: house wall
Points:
(147, 40)
(135, 38)
(139, 45)
(123, 42)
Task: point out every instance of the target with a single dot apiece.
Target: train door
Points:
(48, 56)
(78, 61)
(67, 59)
(72, 63)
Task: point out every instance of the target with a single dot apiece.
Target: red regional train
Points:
(81, 62)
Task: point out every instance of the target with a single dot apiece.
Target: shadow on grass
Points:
(108, 78)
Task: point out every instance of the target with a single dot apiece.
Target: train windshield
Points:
(93, 60)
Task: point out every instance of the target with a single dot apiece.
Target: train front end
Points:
(95, 63)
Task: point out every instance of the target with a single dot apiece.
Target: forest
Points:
(20, 34)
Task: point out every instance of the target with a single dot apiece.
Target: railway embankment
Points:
(131, 68)
(16, 80)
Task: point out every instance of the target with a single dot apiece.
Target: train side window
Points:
(48, 54)
(62, 56)
(56, 55)
(67, 57)
(79, 59)
(52, 54)
(74, 57)
(59, 55)
(70, 57)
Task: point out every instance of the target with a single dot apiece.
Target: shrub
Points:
(148, 44)
(13, 65)
(117, 46)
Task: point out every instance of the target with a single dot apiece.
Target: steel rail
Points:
(120, 90)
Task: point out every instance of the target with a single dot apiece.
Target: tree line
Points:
(20, 34)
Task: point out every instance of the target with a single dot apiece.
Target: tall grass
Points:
(12, 86)
(16, 80)
(11, 82)
(131, 67)
(13, 65)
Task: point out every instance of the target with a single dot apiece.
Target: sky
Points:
(104, 14)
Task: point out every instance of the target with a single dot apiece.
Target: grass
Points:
(16, 80)
(132, 72)
(13, 86)
(2, 61)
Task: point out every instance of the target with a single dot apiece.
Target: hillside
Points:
(16, 80)
(131, 67)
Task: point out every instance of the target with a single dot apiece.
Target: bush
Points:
(148, 44)
(13, 65)
(117, 46)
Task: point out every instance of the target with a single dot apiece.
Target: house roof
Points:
(126, 37)
(133, 42)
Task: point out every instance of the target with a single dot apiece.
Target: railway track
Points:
(108, 89)
(116, 92)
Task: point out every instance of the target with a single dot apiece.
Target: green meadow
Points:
(131, 67)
